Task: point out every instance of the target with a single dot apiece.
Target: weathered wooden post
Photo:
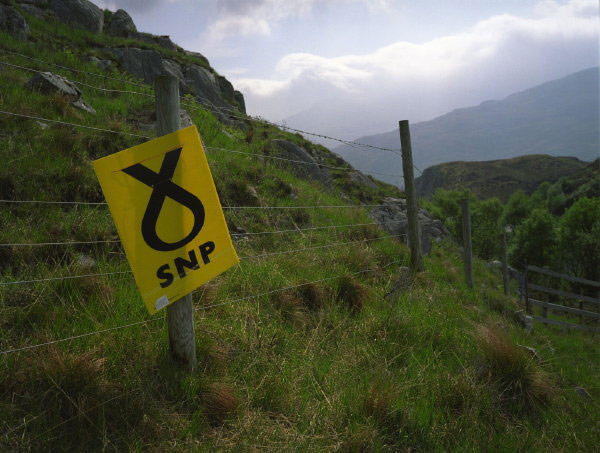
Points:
(467, 247)
(180, 319)
(412, 212)
(505, 278)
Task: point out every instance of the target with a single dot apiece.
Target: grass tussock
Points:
(521, 383)
(352, 294)
(220, 402)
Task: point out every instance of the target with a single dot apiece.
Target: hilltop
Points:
(558, 118)
(498, 178)
(320, 340)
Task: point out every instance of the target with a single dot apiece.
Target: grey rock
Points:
(49, 83)
(121, 24)
(361, 179)
(583, 393)
(289, 150)
(81, 13)
(100, 63)
(495, 264)
(524, 320)
(199, 56)
(393, 219)
(141, 63)
(13, 23)
(402, 282)
(532, 352)
(163, 41)
(239, 97)
(203, 85)
(185, 118)
(85, 263)
(34, 10)
(226, 88)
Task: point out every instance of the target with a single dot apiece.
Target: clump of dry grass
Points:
(219, 402)
(522, 384)
(313, 296)
(291, 308)
(352, 293)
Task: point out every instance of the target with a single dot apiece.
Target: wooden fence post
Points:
(180, 319)
(505, 278)
(412, 211)
(467, 247)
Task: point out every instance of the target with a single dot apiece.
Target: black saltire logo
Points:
(163, 187)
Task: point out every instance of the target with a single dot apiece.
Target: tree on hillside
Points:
(579, 239)
(535, 240)
(487, 234)
(517, 209)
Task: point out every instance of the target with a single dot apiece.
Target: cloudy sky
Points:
(355, 67)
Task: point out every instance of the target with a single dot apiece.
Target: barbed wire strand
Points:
(255, 233)
(71, 277)
(222, 110)
(74, 69)
(85, 203)
(73, 124)
(206, 307)
(317, 164)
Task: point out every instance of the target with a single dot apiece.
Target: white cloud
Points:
(256, 17)
(489, 60)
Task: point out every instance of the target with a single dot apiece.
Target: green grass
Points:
(333, 365)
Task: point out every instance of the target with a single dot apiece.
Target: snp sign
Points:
(164, 203)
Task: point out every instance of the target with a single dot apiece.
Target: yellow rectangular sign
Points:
(165, 205)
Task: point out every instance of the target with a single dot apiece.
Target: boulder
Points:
(102, 64)
(289, 150)
(13, 23)
(163, 41)
(141, 63)
(81, 13)
(226, 88)
(239, 97)
(121, 24)
(361, 179)
(49, 83)
(203, 85)
(32, 8)
(393, 219)
(199, 56)
(402, 282)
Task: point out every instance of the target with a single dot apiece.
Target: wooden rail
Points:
(563, 276)
(568, 325)
(558, 292)
(556, 307)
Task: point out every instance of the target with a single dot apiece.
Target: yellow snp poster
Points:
(165, 205)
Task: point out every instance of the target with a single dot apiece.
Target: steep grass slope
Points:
(333, 363)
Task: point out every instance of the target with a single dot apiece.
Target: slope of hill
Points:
(559, 118)
(318, 341)
(497, 178)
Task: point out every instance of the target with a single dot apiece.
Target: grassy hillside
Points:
(333, 363)
(559, 118)
(498, 178)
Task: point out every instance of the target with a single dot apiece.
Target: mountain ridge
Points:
(559, 117)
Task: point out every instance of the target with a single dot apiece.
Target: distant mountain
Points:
(560, 118)
(498, 178)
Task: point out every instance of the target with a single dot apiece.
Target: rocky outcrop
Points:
(49, 83)
(309, 170)
(392, 218)
(13, 23)
(209, 89)
(239, 98)
(162, 41)
(121, 24)
(81, 13)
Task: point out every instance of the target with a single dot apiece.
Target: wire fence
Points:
(208, 106)
(205, 105)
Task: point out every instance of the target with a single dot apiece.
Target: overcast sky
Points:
(355, 67)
